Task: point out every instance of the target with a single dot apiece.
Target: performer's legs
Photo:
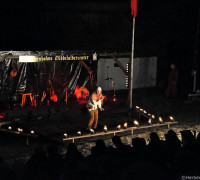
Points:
(91, 119)
(95, 118)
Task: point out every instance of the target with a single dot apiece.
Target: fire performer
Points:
(94, 102)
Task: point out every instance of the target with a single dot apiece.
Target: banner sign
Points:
(28, 59)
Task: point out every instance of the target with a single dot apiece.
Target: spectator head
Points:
(187, 137)
(172, 135)
(138, 142)
(154, 137)
(100, 145)
(117, 141)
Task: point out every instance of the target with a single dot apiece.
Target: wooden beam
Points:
(114, 54)
(121, 66)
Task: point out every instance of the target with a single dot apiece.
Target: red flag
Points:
(134, 8)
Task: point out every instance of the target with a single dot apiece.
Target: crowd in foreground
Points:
(168, 159)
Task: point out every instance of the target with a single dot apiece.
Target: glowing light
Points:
(141, 109)
(149, 114)
(126, 125)
(136, 123)
(114, 99)
(145, 112)
(65, 134)
(160, 119)
(79, 133)
(137, 107)
(32, 132)
(92, 131)
(119, 127)
(9, 127)
(153, 117)
(19, 129)
(105, 128)
(171, 118)
(150, 121)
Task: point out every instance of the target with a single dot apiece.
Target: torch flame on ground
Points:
(105, 128)
(126, 125)
(136, 123)
(160, 119)
(92, 131)
(149, 121)
(119, 127)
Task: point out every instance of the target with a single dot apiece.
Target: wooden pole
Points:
(131, 70)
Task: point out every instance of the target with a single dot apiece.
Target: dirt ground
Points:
(14, 148)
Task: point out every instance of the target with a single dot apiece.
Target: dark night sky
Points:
(164, 28)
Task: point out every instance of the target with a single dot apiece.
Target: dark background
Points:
(164, 28)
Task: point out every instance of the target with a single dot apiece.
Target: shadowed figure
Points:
(34, 164)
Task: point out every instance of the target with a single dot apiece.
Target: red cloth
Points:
(134, 8)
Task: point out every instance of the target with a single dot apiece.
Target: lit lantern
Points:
(125, 125)
(114, 99)
(141, 109)
(79, 133)
(171, 118)
(105, 128)
(9, 127)
(150, 121)
(153, 117)
(92, 131)
(32, 132)
(119, 127)
(65, 135)
(137, 107)
(136, 123)
(145, 112)
(160, 119)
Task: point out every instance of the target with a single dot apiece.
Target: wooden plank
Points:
(121, 66)
(118, 131)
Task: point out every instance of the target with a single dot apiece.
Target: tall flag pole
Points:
(134, 14)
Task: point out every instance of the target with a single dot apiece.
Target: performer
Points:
(172, 81)
(94, 102)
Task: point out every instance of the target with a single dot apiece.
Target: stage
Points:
(55, 121)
